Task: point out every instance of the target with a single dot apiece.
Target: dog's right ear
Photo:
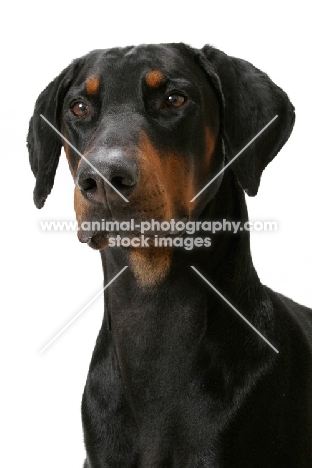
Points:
(44, 144)
(249, 100)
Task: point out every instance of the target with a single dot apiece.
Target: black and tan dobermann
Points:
(177, 378)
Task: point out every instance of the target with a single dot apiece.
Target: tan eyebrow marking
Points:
(92, 84)
(154, 78)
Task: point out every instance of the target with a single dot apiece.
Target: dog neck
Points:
(225, 257)
(182, 315)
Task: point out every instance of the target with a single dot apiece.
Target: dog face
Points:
(152, 125)
(138, 117)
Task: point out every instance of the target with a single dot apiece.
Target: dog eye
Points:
(175, 100)
(80, 109)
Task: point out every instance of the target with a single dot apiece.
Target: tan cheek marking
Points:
(171, 175)
(92, 84)
(179, 182)
(151, 198)
(154, 78)
(210, 144)
(150, 265)
(81, 206)
(166, 189)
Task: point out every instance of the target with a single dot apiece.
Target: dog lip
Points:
(91, 243)
(94, 238)
(168, 233)
(87, 237)
(98, 241)
(151, 235)
(163, 233)
(84, 237)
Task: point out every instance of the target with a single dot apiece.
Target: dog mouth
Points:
(148, 238)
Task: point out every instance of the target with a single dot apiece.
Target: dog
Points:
(177, 378)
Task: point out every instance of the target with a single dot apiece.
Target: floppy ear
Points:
(250, 100)
(44, 145)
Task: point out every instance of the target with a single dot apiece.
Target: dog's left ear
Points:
(249, 100)
(44, 144)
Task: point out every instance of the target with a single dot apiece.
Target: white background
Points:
(48, 278)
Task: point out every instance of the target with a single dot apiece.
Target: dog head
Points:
(145, 128)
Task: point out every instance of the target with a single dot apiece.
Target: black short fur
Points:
(177, 379)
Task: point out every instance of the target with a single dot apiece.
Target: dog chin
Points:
(97, 241)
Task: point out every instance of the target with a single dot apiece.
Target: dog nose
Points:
(102, 174)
